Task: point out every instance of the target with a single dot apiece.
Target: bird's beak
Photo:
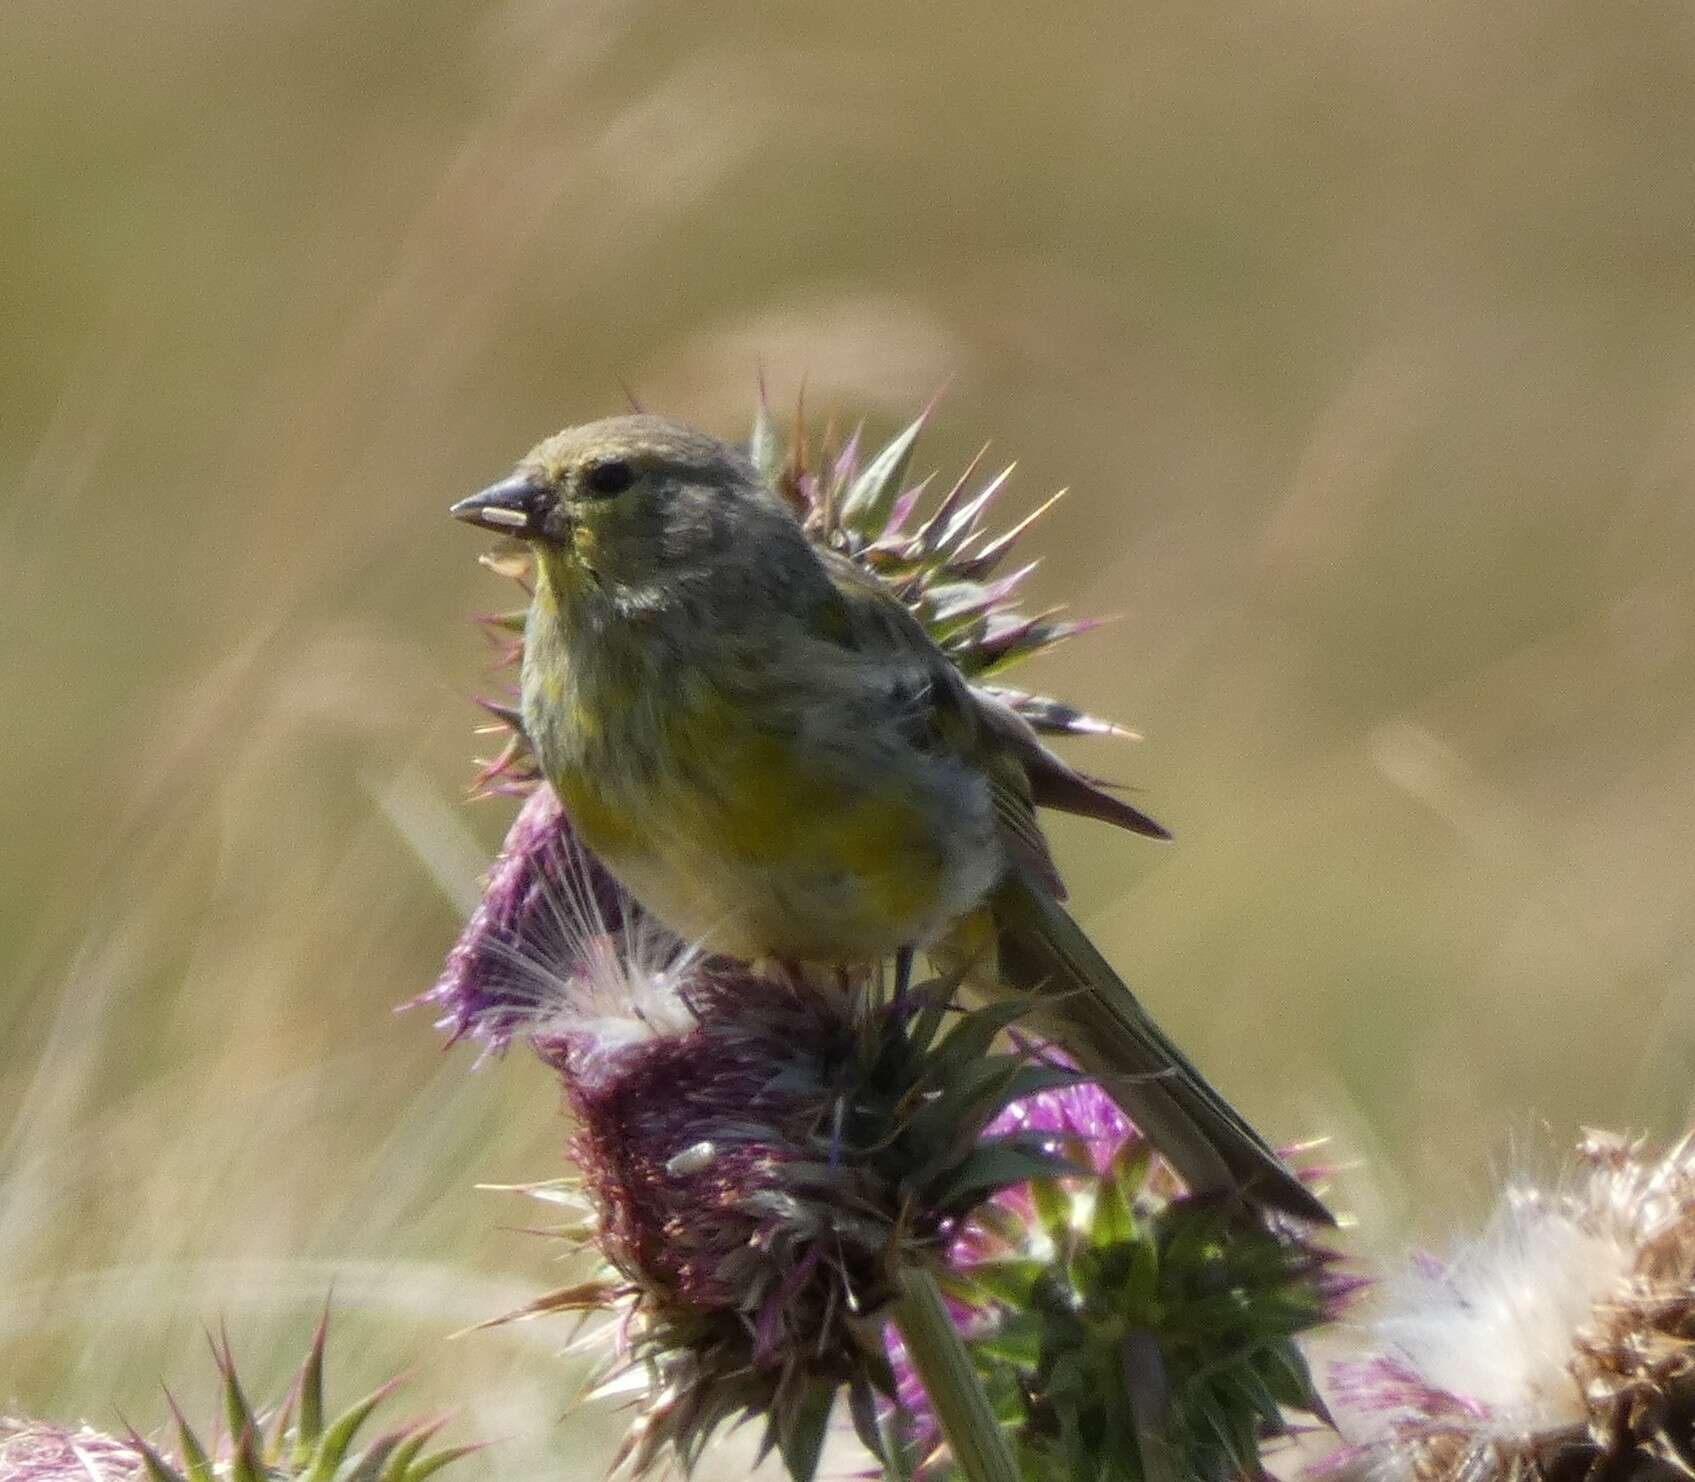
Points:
(514, 506)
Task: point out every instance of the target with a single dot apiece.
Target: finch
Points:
(770, 753)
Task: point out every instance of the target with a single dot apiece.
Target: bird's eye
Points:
(611, 477)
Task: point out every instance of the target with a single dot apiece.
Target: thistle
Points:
(1560, 1345)
(1124, 1330)
(244, 1445)
(763, 1165)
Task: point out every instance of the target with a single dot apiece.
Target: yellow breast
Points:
(728, 834)
(729, 830)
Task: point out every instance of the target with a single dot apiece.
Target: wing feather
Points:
(951, 715)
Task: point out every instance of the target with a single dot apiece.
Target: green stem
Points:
(1150, 1403)
(939, 1356)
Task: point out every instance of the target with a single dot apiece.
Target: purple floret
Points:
(683, 1139)
(546, 902)
(34, 1451)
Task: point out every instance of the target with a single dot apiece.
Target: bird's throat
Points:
(579, 659)
(567, 588)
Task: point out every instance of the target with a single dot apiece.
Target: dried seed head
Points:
(1560, 1344)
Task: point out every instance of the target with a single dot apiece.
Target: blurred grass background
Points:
(1364, 334)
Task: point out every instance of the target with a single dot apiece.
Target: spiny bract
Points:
(299, 1443)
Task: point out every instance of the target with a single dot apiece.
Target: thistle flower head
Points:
(692, 1109)
(1559, 1345)
(299, 1443)
(758, 1157)
(1125, 1330)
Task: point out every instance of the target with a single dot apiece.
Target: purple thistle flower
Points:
(1082, 1116)
(691, 1125)
(761, 1158)
(548, 911)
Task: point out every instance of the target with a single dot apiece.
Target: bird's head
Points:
(628, 501)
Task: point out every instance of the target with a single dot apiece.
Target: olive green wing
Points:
(1027, 773)
(948, 716)
(1076, 996)
(1054, 782)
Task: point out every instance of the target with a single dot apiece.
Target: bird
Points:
(771, 755)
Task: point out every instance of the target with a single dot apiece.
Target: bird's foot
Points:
(903, 972)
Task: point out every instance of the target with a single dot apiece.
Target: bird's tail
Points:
(1094, 1016)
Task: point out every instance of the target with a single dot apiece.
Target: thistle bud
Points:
(1125, 1329)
